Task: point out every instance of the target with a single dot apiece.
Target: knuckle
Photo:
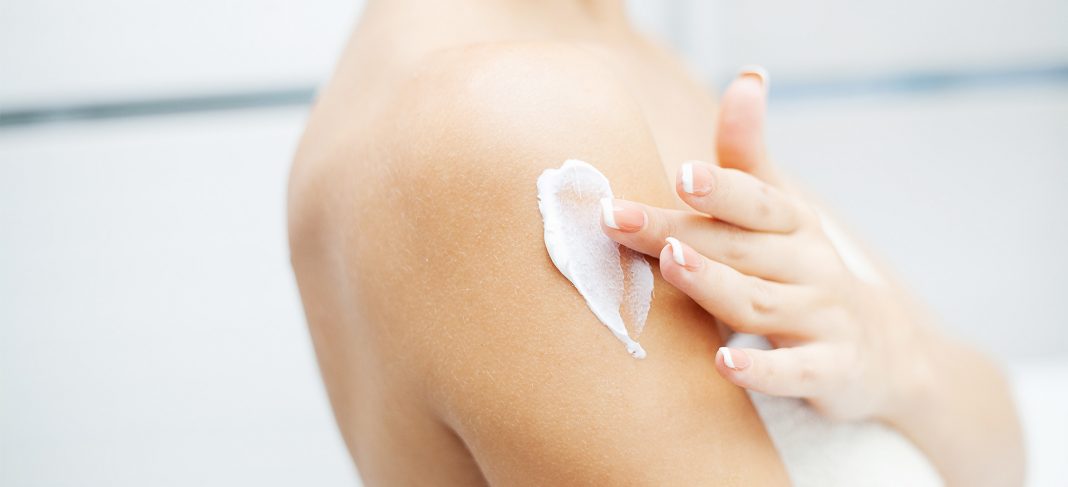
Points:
(662, 226)
(763, 208)
(754, 312)
(668, 227)
(762, 300)
(767, 201)
(735, 252)
(735, 245)
(809, 374)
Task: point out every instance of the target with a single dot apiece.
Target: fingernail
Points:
(758, 71)
(622, 215)
(687, 177)
(676, 251)
(696, 178)
(734, 359)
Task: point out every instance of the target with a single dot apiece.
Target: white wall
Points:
(63, 51)
(818, 39)
(962, 191)
(150, 329)
(59, 51)
(849, 39)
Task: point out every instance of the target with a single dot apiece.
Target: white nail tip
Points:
(758, 71)
(676, 250)
(727, 359)
(609, 213)
(687, 177)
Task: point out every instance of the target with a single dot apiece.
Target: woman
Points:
(456, 354)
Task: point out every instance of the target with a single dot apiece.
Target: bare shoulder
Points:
(446, 262)
(499, 111)
(518, 100)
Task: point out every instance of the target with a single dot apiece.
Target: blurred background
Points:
(150, 329)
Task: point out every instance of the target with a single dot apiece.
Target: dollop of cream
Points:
(616, 282)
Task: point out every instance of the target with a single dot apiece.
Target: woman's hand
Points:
(758, 257)
(761, 258)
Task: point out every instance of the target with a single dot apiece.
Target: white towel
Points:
(820, 452)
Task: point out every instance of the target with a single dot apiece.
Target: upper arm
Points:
(507, 354)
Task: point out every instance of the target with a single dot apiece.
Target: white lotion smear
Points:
(616, 282)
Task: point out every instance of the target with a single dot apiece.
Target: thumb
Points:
(740, 134)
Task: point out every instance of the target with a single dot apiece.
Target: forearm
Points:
(961, 414)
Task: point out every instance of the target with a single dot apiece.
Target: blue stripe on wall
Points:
(296, 96)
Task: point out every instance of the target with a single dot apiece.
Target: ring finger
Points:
(744, 303)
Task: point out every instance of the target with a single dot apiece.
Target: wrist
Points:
(913, 387)
(954, 404)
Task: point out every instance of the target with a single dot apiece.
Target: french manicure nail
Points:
(696, 178)
(687, 177)
(757, 71)
(622, 215)
(608, 213)
(734, 359)
(676, 251)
